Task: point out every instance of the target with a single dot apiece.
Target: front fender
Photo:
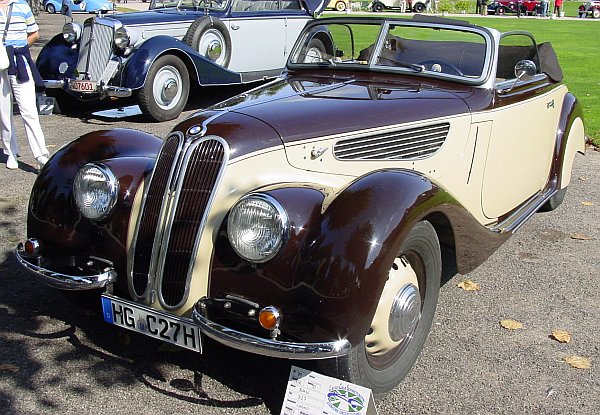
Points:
(202, 70)
(55, 52)
(53, 217)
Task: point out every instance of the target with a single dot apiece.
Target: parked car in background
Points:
(310, 218)
(414, 6)
(155, 57)
(340, 5)
(85, 6)
(502, 7)
(591, 8)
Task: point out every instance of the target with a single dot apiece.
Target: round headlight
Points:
(122, 38)
(257, 227)
(95, 189)
(71, 32)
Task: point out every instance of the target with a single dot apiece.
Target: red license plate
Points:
(83, 86)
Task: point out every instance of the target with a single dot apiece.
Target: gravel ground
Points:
(56, 358)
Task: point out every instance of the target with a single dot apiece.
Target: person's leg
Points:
(10, 148)
(24, 93)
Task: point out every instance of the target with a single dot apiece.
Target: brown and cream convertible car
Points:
(307, 219)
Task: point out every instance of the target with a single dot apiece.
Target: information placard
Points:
(310, 393)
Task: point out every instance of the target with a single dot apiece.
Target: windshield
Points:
(189, 4)
(432, 50)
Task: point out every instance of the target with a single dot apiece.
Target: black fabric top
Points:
(549, 62)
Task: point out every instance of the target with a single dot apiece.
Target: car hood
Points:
(306, 108)
(158, 16)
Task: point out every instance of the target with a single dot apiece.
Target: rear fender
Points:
(570, 139)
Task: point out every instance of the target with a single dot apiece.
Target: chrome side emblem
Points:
(196, 129)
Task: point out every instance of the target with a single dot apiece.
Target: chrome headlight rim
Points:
(112, 185)
(282, 225)
(71, 32)
(122, 38)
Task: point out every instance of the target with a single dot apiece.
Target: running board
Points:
(522, 214)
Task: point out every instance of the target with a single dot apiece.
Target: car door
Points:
(524, 124)
(257, 30)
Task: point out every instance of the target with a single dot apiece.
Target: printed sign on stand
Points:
(310, 393)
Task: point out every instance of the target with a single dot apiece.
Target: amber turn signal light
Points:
(269, 317)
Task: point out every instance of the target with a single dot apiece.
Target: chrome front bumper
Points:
(93, 272)
(266, 347)
(103, 90)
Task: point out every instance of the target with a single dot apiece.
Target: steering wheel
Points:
(441, 66)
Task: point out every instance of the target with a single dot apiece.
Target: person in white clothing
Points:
(20, 79)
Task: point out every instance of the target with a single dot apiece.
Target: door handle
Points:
(234, 27)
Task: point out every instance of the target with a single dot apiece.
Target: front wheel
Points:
(402, 320)
(420, 8)
(377, 7)
(50, 8)
(596, 14)
(340, 6)
(166, 89)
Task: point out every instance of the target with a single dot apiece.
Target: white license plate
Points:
(162, 326)
(83, 86)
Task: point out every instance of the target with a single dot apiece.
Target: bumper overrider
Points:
(95, 273)
(101, 89)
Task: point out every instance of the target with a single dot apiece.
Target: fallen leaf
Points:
(7, 367)
(511, 324)
(587, 203)
(581, 236)
(561, 336)
(583, 179)
(469, 285)
(578, 362)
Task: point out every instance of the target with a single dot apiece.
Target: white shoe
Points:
(41, 161)
(11, 163)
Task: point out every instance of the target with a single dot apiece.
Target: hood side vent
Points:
(409, 144)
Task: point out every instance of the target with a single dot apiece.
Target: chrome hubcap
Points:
(405, 313)
(166, 87)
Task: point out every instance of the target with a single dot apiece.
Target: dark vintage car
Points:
(155, 57)
(414, 6)
(501, 7)
(306, 218)
(591, 8)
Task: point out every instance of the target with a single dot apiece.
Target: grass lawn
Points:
(575, 44)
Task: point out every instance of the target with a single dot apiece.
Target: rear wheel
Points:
(340, 6)
(402, 320)
(50, 8)
(419, 8)
(166, 89)
(377, 7)
(596, 14)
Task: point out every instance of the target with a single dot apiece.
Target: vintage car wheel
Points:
(402, 319)
(340, 6)
(419, 8)
(50, 8)
(501, 11)
(209, 36)
(555, 201)
(596, 14)
(315, 52)
(377, 7)
(166, 89)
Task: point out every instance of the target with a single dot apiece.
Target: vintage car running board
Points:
(513, 222)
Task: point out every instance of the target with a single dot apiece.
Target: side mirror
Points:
(525, 70)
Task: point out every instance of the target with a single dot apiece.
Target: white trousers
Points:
(24, 95)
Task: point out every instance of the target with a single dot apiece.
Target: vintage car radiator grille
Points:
(95, 49)
(174, 211)
(413, 143)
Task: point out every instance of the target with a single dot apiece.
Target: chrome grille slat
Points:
(150, 216)
(412, 143)
(202, 168)
(95, 49)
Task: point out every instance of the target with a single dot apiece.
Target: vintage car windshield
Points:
(460, 53)
(189, 4)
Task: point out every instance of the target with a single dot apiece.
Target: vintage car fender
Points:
(570, 139)
(53, 54)
(202, 70)
(328, 282)
(52, 212)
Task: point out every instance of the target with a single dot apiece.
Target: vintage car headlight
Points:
(71, 32)
(257, 227)
(122, 38)
(95, 189)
